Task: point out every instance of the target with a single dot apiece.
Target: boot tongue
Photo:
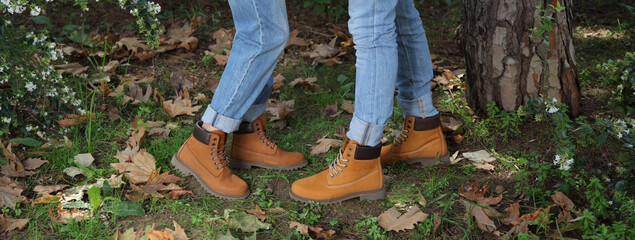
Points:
(263, 121)
(220, 135)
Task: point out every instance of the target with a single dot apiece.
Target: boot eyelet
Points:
(409, 121)
(267, 144)
(348, 155)
(408, 126)
(257, 129)
(215, 163)
(213, 144)
(271, 147)
(214, 139)
(338, 173)
(217, 168)
(350, 149)
(257, 124)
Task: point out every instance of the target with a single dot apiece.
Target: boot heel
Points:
(374, 195)
(179, 166)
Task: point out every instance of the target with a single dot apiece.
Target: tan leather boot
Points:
(203, 156)
(252, 148)
(420, 142)
(356, 172)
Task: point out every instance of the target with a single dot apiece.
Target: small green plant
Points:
(505, 124)
(373, 230)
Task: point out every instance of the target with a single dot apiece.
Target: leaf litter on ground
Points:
(324, 144)
(393, 220)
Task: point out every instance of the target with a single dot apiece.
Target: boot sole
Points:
(187, 171)
(427, 161)
(240, 164)
(365, 195)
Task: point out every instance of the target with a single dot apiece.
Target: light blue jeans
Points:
(392, 50)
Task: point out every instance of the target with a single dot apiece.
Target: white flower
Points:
(608, 180)
(557, 159)
(35, 10)
(552, 109)
(29, 128)
(565, 167)
(30, 86)
(619, 135)
(6, 120)
(610, 202)
(554, 100)
(81, 111)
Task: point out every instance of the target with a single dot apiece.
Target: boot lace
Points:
(219, 157)
(265, 139)
(402, 137)
(338, 165)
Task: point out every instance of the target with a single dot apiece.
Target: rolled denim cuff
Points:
(365, 133)
(419, 107)
(254, 112)
(217, 120)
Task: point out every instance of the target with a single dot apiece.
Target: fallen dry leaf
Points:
(513, 213)
(77, 192)
(71, 68)
(348, 106)
(10, 192)
(393, 220)
(280, 110)
(303, 81)
(299, 227)
(180, 106)
(8, 224)
(43, 190)
(110, 67)
(485, 166)
(139, 169)
(330, 111)
(136, 94)
(16, 168)
(479, 156)
(564, 204)
(84, 159)
(64, 216)
(259, 213)
(224, 39)
(483, 222)
(278, 82)
(324, 144)
(181, 80)
(132, 44)
(473, 193)
(72, 120)
(295, 40)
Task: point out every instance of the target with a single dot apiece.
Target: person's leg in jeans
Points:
(261, 34)
(422, 140)
(357, 171)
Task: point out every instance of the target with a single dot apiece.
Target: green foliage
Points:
(328, 7)
(373, 230)
(505, 124)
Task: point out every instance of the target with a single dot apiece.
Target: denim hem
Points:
(254, 112)
(419, 107)
(365, 133)
(217, 120)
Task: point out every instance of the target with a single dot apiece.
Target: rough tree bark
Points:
(504, 62)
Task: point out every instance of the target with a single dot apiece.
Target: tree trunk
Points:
(506, 65)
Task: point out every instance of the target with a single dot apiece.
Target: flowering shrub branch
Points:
(32, 92)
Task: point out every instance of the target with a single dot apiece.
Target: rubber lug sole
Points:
(364, 195)
(240, 164)
(430, 161)
(187, 171)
